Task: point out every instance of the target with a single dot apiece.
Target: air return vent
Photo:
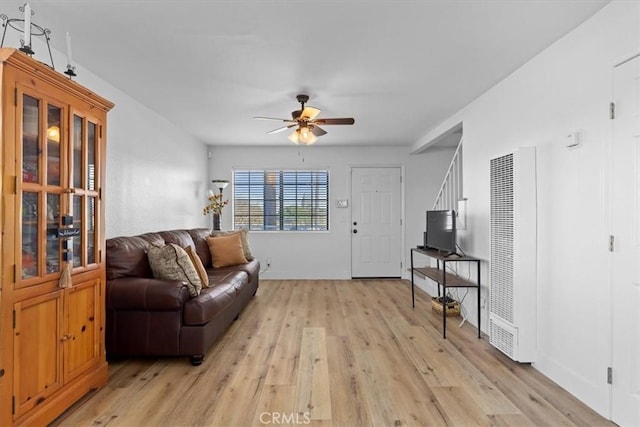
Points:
(512, 290)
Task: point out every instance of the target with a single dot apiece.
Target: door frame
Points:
(403, 269)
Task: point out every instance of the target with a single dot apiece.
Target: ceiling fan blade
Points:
(309, 113)
(273, 118)
(317, 130)
(338, 121)
(281, 129)
(295, 114)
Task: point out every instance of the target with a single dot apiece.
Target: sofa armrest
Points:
(138, 293)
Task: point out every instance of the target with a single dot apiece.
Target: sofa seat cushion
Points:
(252, 268)
(142, 294)
(220, 294)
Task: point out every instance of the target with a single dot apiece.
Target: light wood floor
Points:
(334, 353)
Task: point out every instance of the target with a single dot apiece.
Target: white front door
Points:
(376, 226)
(625, 388)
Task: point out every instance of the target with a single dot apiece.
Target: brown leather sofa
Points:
(151, 317)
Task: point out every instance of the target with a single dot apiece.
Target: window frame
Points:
(280, 199)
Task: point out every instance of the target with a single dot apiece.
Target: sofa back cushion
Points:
(181, 238)
(154, 239)
(199, 236)
(127, 257)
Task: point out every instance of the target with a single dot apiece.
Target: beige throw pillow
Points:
(171, 262)
(197, 263)
(244, 235)
(226, 250)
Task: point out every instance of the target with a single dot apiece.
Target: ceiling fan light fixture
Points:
(303, 135)
(308, 129)
(294, 137)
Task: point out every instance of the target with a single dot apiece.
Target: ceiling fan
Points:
(306, 123)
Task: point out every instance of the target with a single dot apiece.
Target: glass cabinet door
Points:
(30, 139)
(30, 244)
(60, 176)
(53, 243)
(85, 175)
(41, 190)
(92, 143)
(30, 174)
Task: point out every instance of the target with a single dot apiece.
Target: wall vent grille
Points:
(501, 338)
(502, 237)
(512, 284)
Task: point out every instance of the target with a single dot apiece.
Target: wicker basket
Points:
(453, 308)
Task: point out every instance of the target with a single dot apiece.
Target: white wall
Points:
(327, 255)
(565, 88)
(156, 172)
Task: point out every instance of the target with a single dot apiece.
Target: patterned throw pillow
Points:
(226, 250)
(197, 263)
(244, 236)
(171, 262)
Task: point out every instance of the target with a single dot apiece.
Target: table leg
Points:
(478, 273)
(444, 299)
(413, 297)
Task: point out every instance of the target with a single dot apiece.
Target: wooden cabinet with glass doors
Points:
(52, 219)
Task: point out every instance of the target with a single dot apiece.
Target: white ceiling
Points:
(398, 67)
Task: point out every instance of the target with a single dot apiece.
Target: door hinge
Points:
(400, 221)
(15, 96)
(400, 265)
(609, 375)
(15, 184)
(13, 405)
(14, 319)
(611, 243)
(15, 273)
(612, 110)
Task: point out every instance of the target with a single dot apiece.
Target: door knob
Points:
(355, 231)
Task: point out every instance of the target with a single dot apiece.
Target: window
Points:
(273, 200)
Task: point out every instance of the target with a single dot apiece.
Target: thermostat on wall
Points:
(342, 203)
(574, 140)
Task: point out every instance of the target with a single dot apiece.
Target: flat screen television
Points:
(441, 231)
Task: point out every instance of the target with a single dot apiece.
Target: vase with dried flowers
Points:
(215, 207)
